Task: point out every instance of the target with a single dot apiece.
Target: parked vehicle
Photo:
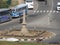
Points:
(30, 4)
(58, 6)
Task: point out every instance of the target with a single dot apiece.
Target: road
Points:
(38, 19)
(41, 21)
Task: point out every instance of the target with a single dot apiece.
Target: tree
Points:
(8, 2)
(3, 4)
(14, 2)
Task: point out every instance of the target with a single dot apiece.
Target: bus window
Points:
(5, 16)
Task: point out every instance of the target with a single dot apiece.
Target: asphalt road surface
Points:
(42, 17)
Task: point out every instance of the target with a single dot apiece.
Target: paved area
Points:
(38, 19)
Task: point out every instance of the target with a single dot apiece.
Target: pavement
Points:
(38, 19)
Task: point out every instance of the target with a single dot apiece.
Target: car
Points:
(58, 6)
(30, 4)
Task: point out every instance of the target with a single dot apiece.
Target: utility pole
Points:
(24, 30)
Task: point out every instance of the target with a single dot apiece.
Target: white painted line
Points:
(57, 11)
(29, 39)
(34, 39)
(37, 11)
(22, 39)
(36, 6)
(34, 11)
(47, 11)
(54, 11)
(44, 11)
(50, 11)
(41, 11)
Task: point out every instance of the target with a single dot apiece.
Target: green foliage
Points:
(3, 4)
(8, 2)
(14, 3)
(24, 43)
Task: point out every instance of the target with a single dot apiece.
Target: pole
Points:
(24, 30)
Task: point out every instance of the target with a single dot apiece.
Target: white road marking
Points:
(51, 11)
(34, 11)
(54, 11)
(36, 6)
(57, 11)
(37, 11)
(47, 11)
(44, 11)
(41, 11)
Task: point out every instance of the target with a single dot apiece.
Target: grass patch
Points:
(23, 43)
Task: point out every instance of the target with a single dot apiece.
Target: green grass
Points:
(23, 43)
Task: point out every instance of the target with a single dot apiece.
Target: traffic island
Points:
(33, 35)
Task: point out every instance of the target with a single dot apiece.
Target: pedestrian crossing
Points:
(46, 11)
